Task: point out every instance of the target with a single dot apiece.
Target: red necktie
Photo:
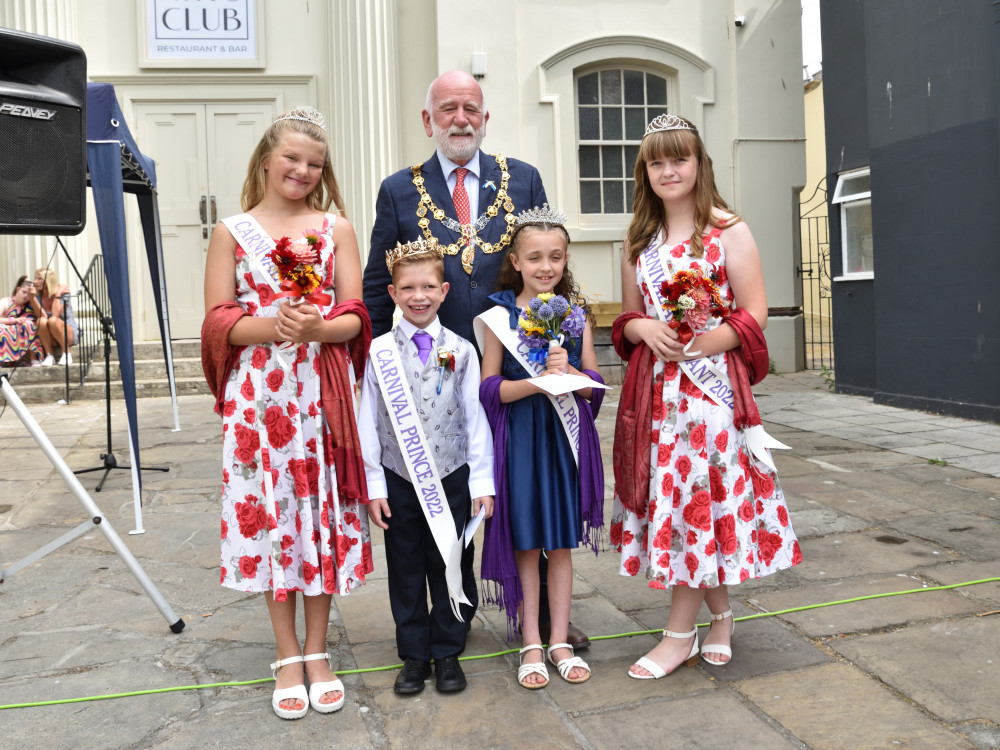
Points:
(461, 198)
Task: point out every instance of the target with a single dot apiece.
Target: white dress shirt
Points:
(471, 183)
(479, 446)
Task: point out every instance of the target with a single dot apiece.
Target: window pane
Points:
(631, 156)
(656, 89)
(654, 112)
(614, 197)
(590, 165)
(633, 87)
(611, 87)
(635, 123)
(859, 250)
(854, 184)
(586, 90)
(629, 196)
(589, 127)
(590, 197)
(611, 119)
(611, 158)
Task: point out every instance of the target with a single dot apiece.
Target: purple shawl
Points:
(501, 584)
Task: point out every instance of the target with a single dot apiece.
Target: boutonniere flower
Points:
(446, 363)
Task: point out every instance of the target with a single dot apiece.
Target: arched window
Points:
(613, 106)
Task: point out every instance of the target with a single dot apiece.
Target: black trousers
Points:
(415, 565)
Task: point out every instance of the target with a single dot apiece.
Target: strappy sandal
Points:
(318, 689)
(535, 667)
(719, 648)
(655, 670)
(296, 692)
(567, 665)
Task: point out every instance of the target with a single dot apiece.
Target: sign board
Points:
(201, 33)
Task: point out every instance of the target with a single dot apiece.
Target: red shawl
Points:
(748, 364)
(219, 357)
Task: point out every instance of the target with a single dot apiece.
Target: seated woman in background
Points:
(19, 342)
(55, 334)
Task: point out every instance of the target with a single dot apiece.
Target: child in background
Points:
(434, 440)
(550, 479)
(283, 339)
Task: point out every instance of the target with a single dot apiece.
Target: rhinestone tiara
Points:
(417, 249)
(543, 215)
(662, 123)
(306, 114)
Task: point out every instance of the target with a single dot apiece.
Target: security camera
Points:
(740, 21)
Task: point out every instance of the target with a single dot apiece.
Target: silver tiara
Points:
(662, 123)
(306, 114)
(543, 215)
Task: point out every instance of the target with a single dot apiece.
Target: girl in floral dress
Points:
(282, 287)
(713, 515)
(19, 342)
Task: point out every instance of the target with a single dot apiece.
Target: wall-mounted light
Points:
(740, 21)
(478, 64)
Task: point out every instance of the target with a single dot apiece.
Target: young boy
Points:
(428, 452)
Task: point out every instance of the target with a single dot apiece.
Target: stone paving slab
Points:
(969, 535)
(862, 553)
(951, 667)
(872, 614)
(833, 707)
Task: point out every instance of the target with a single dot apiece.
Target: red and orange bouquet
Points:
(296, 263)
(691, 298)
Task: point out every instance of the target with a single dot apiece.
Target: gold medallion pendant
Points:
(468, 238)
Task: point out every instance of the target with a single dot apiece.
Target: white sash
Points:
(419, 459)
(702, 372)
(258, 245)
(498, 320)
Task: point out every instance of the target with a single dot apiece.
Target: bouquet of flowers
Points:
(549, 317)
(691, 298)
(296, 263)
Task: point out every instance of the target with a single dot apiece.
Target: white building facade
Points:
(569, 85)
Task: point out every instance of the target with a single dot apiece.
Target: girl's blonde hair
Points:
(326, 192)
(49, 280)
(648, 212)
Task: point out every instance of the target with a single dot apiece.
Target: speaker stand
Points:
(97, 518)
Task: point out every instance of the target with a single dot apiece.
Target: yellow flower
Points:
(530, 327)
(546, 296)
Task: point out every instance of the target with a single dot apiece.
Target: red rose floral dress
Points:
(283, 525)
(716, 516)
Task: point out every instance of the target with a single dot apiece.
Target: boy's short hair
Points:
(437, 263)
(418, 251)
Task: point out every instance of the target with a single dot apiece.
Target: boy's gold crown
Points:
(417, 249)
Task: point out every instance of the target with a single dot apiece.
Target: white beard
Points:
(459, 153)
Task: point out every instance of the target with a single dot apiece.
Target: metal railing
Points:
(814, 270)
(88, 317)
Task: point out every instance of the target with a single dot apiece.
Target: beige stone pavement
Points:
(883, 500)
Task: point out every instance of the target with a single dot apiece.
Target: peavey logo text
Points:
(21, 110)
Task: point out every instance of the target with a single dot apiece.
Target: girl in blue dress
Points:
(549, 476)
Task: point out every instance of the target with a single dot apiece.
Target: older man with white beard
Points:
(461, 197)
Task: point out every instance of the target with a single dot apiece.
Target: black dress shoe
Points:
(411, 677)
(450, 677)
(574, 636)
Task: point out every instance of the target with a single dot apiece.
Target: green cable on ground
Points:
(496, 653)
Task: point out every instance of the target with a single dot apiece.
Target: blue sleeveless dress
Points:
(541, 471)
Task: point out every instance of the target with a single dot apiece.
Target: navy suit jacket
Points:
(396, 221)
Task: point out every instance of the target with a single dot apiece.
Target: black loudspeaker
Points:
(43, 131)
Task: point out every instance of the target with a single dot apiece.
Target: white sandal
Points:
(566, 665)
(535, 667)
(296, 692)
(318, 689)
(719, 648)
(654, 669)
